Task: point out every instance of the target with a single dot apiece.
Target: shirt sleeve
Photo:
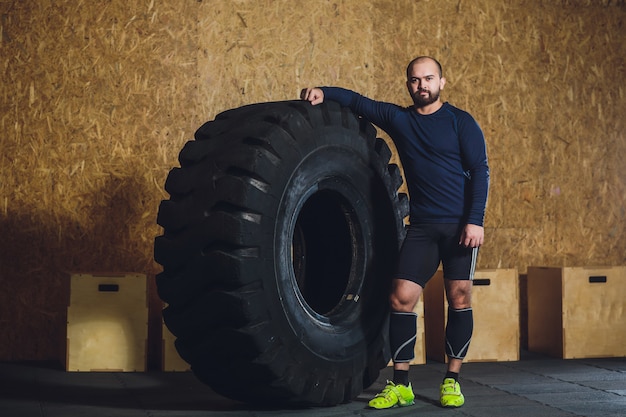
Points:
(377, 112)
(474, 159)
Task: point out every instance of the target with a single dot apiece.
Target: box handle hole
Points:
(482, 281)
(108, 288)
(597, 279)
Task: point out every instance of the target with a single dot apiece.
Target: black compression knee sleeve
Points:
(402, 334)
(459, 332)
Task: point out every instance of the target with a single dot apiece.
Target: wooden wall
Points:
(97, 98)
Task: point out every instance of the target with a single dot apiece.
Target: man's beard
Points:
(424, 101)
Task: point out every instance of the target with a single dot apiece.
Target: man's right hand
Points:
(313, 95)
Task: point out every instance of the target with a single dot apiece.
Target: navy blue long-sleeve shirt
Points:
(443, 155)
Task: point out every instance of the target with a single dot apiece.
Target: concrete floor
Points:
(534, 386)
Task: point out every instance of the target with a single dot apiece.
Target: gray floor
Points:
(534, 386)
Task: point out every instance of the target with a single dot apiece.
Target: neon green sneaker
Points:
(451, 396)
(393, 396)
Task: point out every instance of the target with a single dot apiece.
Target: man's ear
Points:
(442, 83)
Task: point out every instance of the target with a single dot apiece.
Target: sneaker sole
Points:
(396, 405)
(453, 405)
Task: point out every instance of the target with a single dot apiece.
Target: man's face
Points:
(424, 83)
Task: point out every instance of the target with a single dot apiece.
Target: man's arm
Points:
(475, 158)
(379, 113)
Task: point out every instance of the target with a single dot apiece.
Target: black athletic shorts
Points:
(426, 245)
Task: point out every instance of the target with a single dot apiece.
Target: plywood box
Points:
(172, 361)
(107, 323)
(577, 312)
(495, 304)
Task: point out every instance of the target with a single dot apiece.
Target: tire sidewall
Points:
(344, 170)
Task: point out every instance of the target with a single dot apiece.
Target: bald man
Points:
(443, 153)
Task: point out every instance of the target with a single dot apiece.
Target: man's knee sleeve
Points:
(402, 334)
(459, 332)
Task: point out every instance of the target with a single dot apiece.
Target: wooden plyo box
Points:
(577, 312)
(107, 323)
(172, 362)
(495, 304)
(420, 344)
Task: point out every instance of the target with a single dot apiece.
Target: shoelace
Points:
(388, 390)
(449, 388)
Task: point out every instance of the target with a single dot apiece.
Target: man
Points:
(443, 153)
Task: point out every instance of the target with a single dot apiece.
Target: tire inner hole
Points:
(322, 250)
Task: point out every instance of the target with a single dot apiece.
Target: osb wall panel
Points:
(545, 81)
(268, 50)
(96, 100)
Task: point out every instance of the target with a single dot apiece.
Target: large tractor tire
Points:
(280, 239)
